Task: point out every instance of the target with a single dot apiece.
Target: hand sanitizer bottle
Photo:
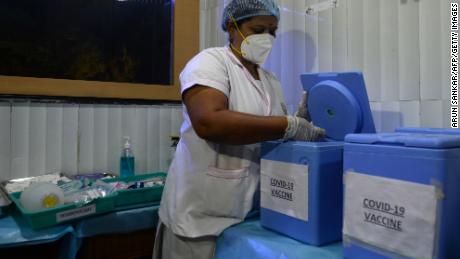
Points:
(127, 159)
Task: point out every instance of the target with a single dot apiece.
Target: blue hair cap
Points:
(242, 9)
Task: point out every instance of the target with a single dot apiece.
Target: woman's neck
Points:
(251, 67)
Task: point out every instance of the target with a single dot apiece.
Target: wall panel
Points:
(40, 138)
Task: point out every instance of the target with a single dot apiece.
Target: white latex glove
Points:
(300, 129)
(302, 109)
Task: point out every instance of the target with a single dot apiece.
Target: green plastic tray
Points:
(133, 198)
(63, 213)
(120, 200)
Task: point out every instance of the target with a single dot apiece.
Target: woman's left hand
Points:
(302, 109)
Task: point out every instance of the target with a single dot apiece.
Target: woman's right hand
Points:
(300, 126)
(300, 129)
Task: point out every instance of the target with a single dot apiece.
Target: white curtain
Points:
(39, 138)
(401, 46)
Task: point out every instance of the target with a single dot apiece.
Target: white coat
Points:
(211, 186)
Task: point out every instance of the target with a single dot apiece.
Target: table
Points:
(250, 240)
(14, 231)
(245, 240)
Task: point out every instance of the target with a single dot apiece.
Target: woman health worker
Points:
(231, 104)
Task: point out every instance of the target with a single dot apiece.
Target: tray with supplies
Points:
(63, 213)
(5, 201)
(56, 198)
(141, 190)
(42, 203)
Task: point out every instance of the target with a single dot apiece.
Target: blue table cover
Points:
(14, 232)
(118, 222)
(250, 240)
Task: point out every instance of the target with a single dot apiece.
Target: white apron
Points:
(211, 186)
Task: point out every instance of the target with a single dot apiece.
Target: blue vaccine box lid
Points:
(407, 139)
(429, 130)
(338, 102)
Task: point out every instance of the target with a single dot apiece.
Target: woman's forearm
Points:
(235, 128)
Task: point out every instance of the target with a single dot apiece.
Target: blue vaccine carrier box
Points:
(402, 195)
(301, 182)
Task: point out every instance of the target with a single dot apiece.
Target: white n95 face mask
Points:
(257, 47)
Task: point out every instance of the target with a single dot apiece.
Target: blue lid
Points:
(338, 103)
(429, 130)
(438, 141)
